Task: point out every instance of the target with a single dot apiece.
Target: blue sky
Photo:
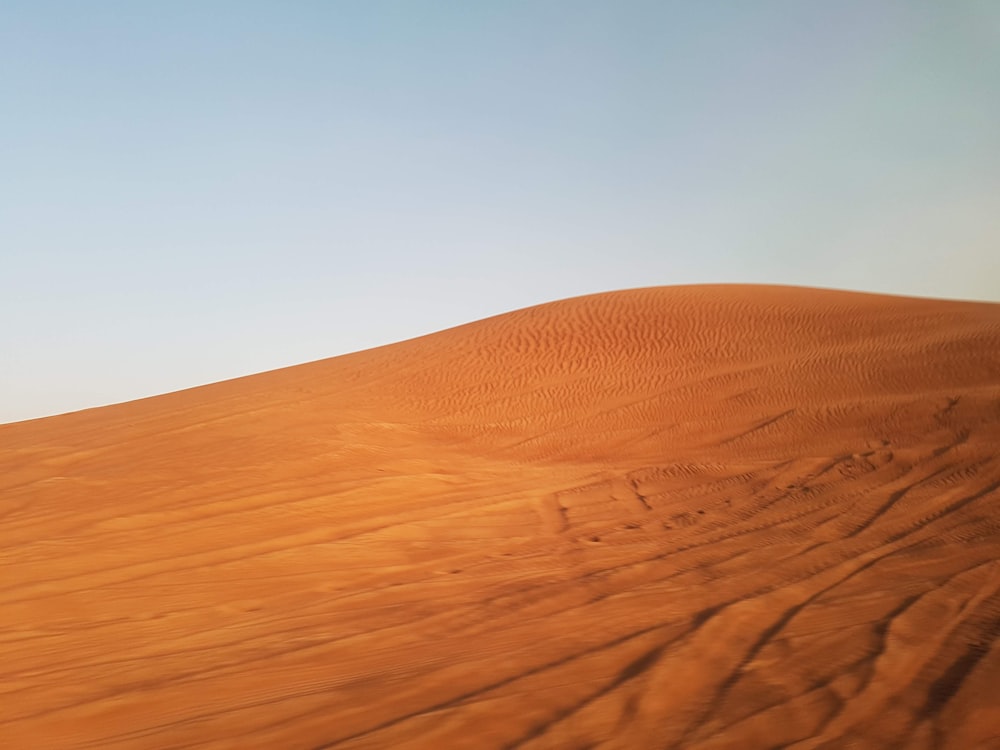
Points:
(192, 191)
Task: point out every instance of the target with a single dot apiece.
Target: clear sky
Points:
(199, 189)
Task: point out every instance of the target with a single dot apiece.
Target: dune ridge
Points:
(708, 517)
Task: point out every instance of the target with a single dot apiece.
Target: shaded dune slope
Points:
(707, 517)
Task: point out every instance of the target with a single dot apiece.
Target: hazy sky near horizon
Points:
(193, 191)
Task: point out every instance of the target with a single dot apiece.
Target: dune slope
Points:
(706, 517)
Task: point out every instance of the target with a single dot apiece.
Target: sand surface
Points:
(705, 517)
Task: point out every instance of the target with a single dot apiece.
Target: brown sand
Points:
(707, 517)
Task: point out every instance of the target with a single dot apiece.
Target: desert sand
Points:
(684, 517)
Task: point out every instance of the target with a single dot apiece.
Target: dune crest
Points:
(706, 517)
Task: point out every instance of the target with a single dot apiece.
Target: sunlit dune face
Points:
(700, 517)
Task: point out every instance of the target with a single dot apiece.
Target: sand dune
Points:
(705, 517)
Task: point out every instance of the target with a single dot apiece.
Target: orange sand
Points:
(706, 517)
